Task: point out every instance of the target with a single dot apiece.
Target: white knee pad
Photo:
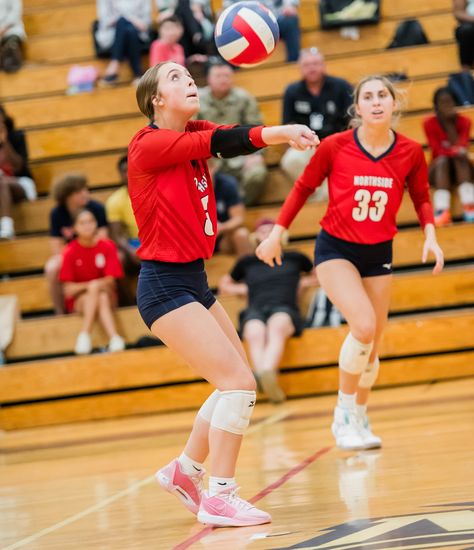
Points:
(369, 376)
(354, 355)
(207, 408)
(233, 411)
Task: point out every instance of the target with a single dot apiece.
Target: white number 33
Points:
(363, 208)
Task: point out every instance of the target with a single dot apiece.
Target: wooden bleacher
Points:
(88, 132)
(142, 381)
(30, 253)
(54, 335)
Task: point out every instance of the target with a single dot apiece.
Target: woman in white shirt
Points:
(123, 27)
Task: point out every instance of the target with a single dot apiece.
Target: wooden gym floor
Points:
(91, 485)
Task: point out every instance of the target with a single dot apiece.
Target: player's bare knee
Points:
(364, 329)
(254, 332)
(104, 298)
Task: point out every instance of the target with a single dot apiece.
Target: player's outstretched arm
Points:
(431, 245)
(269, 250)
(298, 136)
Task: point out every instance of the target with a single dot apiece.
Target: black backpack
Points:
(409, 33)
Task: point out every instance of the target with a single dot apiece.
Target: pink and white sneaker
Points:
(227, 509)
(187, 488)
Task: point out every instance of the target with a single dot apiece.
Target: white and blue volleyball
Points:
(246, 33)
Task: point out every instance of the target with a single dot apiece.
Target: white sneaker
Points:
(346, 429)
(371, 441)
(83, 344)
(6, 228)
(116, 343)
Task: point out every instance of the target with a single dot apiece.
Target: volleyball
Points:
(246, 33)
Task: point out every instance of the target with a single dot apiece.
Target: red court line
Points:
(263, 493)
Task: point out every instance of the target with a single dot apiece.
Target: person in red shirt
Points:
(167, 46)
(89, 271)
(367, 169)
(173, 201)
(448, 137)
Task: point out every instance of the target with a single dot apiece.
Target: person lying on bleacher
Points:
(89, 271)
(16, 183)
(272, 314)
(71, 194)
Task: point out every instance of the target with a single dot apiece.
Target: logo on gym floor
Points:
(444, 529)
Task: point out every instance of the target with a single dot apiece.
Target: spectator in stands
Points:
(124, 231)
(16, 183)
(124, 29)
(165, 9)
(198, 36)
(448, 137)
(167, 47)
(232, 236)
(317, 100)
(12, 35)
(224, 103)
(272, 313)
(89, 271)
(464, 13)
(71, 194)
(286, 12)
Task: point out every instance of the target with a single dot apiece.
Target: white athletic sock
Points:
(466, 193)
(346, 400)
(218, 484)
(189, 466)
(441, 200)
(361, 410)
(6, 227)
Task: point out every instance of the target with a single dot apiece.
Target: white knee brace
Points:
(354, 355)
(369, 376)
(207, 408)
(233, 411)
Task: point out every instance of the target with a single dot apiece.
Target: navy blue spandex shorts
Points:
(166, 286)
(370, 260)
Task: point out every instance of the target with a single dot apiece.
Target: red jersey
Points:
(82, 264)
(438, 139)
(365, 193)
(171, 191)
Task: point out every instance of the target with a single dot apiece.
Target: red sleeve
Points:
(464, 131)
(159, 148)
(66, 273)
(418, 187)
(113, 267)
(434, 142)
(313, 176)
(255, 136)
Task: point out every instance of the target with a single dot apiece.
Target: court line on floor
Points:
(264, 492)
(272, 419)
(80, 515)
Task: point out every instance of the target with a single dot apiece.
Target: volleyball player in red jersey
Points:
(173, 201)
(367, 168)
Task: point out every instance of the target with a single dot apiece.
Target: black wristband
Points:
(232, 142)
